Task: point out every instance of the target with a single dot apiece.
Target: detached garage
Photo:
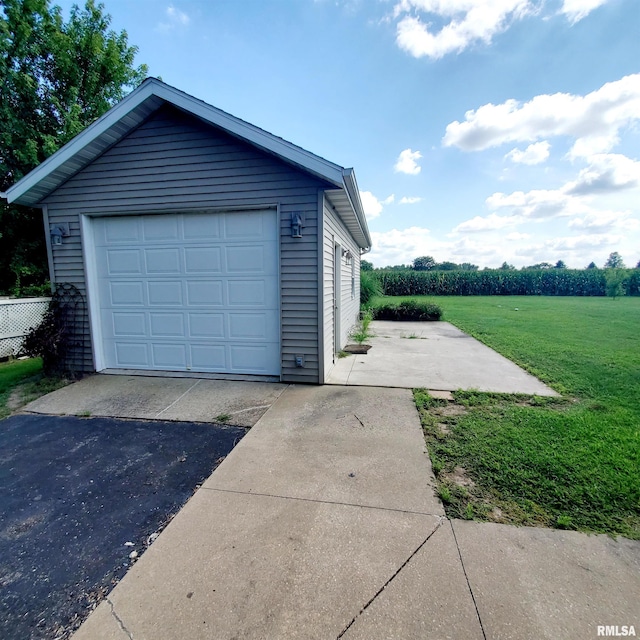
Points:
(202, 244)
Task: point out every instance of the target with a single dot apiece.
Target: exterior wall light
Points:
(296, 225)
(58, 232)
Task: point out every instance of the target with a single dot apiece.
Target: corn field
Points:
(543, 282)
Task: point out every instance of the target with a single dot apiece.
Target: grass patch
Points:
(26, 379)
(570, 463)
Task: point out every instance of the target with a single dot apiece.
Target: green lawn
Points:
(572, 463)
(26, 374)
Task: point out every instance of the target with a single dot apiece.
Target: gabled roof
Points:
(128, 114)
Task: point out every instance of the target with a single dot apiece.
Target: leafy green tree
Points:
(560, 265)
(505, 266)
(592, 265)
(614, 261)
(56, 78)
(467, 266)
(365, 265)
(424, 263)
(446, 266)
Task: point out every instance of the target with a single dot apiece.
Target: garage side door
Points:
(189, 292)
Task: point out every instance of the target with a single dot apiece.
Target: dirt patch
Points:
(459, 476)
(451, 410)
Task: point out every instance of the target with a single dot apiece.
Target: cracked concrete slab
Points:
(358, 446)
(429, 598)
(252, 566)
(104, 626)
(539, 584)
(432, 355)
(161, 398)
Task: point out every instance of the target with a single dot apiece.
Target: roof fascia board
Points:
(76, 145)
(353, 194)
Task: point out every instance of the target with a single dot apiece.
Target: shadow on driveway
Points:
(73, 491)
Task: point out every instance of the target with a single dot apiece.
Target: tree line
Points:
(427, 263)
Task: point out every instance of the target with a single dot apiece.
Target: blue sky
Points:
(480, 130)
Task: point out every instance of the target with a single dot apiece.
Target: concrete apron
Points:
(161, 398)
(432, 355)
(322, 523)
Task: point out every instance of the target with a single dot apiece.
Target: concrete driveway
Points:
(323, 523)
(432, 355)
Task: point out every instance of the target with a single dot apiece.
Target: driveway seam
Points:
(119, 620)
(388, 582)
(334, 502)
(475, 604)
(178, 399)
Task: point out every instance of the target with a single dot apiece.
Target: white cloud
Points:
(594, 120)
(599, 222)
(409, 200)
(407, 162)
(174, 18)
(575, 10)
(487, 223)
(400, 246)
(469, 22)
(537, 203)
(372, 206)
(606, 173)
(534, 154)
(517, 235)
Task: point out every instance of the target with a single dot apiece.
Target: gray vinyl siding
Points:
(336, 232)
(172, 163)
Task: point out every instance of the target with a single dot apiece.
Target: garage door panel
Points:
(209, 357)
(165, 293)
(190, 292)
(206, 325)
(162, 325)
(253, 326)
(205, 293)
(124, 262)
(127, 230)
(165, 261)
(251, 358)
(203, 260)
(169, 356)
(198, 226)
(250, 224)
(126, 294)
(127, 324)
(134, 355)
(160, 228)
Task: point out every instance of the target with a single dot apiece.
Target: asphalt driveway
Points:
(78, 497)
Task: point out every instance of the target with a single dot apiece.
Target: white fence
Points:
(16, 318)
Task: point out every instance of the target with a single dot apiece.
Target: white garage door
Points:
(189, 292)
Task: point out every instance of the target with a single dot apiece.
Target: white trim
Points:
(279, 277)
(321, 268)
(47, 240)
(337, 296)
(91, 283)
